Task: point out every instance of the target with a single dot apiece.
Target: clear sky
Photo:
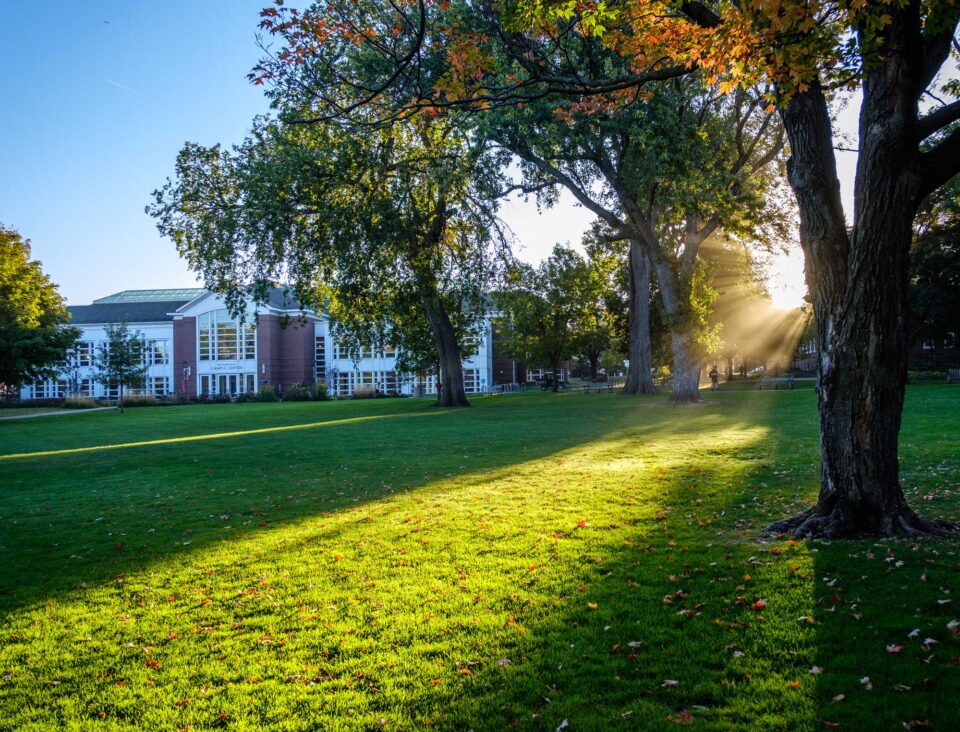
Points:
(100, 95)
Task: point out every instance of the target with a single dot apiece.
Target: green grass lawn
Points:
(21, 411)
(533, 559)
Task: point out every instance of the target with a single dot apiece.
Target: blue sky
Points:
(100, 95)
(94, 115)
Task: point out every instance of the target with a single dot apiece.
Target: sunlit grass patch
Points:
(525, 562)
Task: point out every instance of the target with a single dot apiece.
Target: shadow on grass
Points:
(516, 564)
(82, 513)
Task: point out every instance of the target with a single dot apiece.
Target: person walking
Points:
(714, 379)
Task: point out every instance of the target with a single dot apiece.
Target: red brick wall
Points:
(284, 351)
(268, 350)
(297, 349)
(185, 351)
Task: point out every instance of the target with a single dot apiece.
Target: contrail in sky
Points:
(120, 86)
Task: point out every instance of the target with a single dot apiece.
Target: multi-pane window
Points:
(471, 380)
(343, 351)
(320, 358)
(343, 384)
(222, 338)
(158, 385)
(156, 353)
(390, 382)
(86, 387)
(85, 353)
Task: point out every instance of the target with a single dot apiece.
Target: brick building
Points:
(195, 347)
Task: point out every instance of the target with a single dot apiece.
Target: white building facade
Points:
(195, 348)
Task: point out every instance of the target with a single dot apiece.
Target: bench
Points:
(953, 375)
(775, 382)
(598, 387)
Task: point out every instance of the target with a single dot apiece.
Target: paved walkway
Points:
(54, 414)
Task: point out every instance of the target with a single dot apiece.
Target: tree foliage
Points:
(554, 311)
(935, 267)
(392, 231)
(119, 361)
(34, 332)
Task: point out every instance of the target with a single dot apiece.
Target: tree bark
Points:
(729, 368)
(594, 359)
(639, 378)
(452, 392)
(859, 287)
(685, 368)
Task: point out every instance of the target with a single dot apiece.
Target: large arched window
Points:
(223, 338)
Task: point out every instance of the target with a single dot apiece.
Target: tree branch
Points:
(938, 119)
(939, 164)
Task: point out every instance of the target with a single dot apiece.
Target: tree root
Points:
(818, 523)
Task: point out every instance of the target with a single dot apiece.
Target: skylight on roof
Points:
(183, 293)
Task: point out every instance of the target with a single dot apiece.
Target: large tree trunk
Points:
(594, 359)
(639, 378)
(859, 288)
(452, 393)
(685, 368)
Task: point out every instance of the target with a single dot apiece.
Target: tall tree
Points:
(552, 310)
(857, 276)
(664, 173)
(34, 333)
(363, 222)
(118, 362)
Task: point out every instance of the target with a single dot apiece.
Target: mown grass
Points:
(22, 411)
(534, 559)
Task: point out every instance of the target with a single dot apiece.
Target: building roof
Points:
(182, 294)
(150, 311)
(153, 306)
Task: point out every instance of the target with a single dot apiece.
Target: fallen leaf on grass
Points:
(816, 670)
(839, 697)
(684, 717)
(893, 648)
(866, 683)
(504, 662)
(670, 682)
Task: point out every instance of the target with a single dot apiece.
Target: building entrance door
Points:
(227, 384)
